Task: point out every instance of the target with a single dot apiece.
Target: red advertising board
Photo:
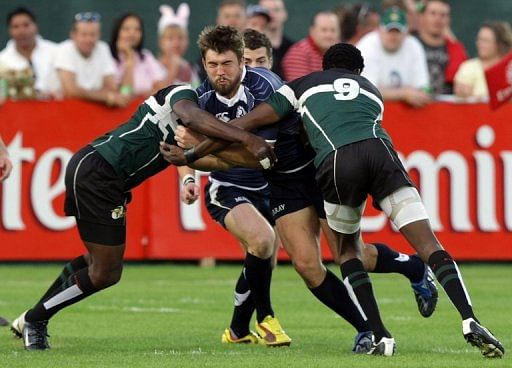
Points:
(460, 156)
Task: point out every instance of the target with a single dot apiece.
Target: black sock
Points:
(77, 287)
(244, 308)
(333, 293)
(69, 268)
(353, 272)
(258, 273)
(448, 275)
(389, 261)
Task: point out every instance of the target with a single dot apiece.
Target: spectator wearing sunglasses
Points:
(85, 66)
(27, 49)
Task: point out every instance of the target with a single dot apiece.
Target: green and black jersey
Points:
(338, 107)
(132, 149)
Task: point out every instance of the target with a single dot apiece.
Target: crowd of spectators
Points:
(410, 51)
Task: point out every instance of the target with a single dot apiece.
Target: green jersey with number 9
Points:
(338, 107)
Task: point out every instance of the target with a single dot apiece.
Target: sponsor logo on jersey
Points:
(224, 116)
(240, 111)
(118, 212)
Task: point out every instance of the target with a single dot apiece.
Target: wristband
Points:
(189, 178)
(190, 155)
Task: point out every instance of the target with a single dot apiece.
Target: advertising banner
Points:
(460, 156)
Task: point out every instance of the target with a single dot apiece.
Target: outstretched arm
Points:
(262, 115)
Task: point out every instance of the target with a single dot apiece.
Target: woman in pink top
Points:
(138, 72)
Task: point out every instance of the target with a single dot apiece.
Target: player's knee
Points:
(343, 219)
(262, 244)
(308, 269)
(404, 207)
(102, 279)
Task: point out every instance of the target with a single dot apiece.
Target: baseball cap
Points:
(394, 18)
(254, 10)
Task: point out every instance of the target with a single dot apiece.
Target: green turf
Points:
(173, 316)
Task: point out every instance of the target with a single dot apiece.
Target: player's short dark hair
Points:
(254, 40)
(343, 55)
(221, 39)
(20, 10)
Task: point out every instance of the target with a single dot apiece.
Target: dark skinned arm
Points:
(261, 116)
(205, 123)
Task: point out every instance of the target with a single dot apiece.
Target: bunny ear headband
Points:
(170, 18)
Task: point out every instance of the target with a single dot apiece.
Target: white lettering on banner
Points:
(428, 168)
(459, 168)
(42, 192)
(506, 157)
(11, 193)
(191, 214)
(485, 181)
(456, 164)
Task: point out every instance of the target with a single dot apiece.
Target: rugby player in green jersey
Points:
(342, 113)
(98, 180)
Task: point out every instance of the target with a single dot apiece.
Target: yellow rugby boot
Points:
(228, 338)
(271, 333)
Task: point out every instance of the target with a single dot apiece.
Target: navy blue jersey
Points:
(257, 85)
(292, 149)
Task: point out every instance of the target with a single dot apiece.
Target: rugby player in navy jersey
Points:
(98, 181)
(297, 207)
(342, 113)
(238, 199)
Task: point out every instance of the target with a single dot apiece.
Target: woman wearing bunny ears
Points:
(173, 43)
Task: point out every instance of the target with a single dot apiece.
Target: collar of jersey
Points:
(239, 95)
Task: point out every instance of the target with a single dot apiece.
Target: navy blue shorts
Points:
(291, 192)
(221, 199)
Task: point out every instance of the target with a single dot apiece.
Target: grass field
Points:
(169, 315)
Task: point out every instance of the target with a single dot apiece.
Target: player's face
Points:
(85, 35)
(224, 71)
(22, 30)
(257, 58)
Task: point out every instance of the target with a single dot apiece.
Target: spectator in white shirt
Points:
(395, 61)
(85, 66)
(27, 49)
